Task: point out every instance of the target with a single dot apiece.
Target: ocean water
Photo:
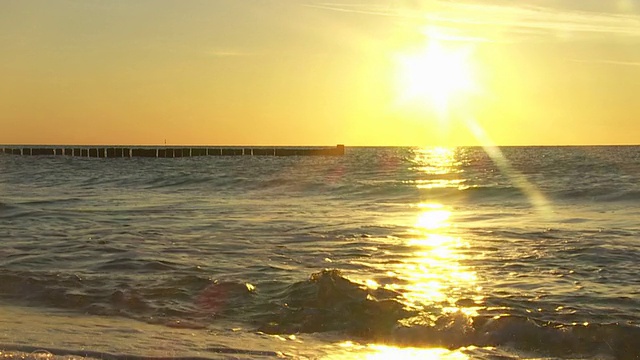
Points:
(386, 253)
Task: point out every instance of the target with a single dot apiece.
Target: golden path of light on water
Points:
(374, 352)
(430, 272)
(441, 167)
(434, 270)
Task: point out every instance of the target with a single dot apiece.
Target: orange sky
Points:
(315, 73)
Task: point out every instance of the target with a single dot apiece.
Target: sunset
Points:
(312, 73)
(299, 179)
(435, 77)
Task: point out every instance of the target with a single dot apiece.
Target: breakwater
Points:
(167, 152)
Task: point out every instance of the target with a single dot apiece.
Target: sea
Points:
(383, 253)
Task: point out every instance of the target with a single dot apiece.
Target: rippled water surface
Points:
(384, 252)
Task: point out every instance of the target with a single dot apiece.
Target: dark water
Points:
(388, 252)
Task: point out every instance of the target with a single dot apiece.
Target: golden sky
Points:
(307, 72)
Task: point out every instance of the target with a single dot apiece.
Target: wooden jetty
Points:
(167, 152)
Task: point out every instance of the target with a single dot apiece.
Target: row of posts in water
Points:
(170, 152)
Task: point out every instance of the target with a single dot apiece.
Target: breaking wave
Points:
(326, 302)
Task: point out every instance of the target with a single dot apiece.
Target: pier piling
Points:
(164, 152)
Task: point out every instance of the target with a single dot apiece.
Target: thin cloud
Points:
(517, 18)
(365, 9)
(229, 53)
(606, 62)
(549, 19)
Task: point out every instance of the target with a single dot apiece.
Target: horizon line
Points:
(317, 146)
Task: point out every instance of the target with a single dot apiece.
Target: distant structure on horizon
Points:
(168, 152)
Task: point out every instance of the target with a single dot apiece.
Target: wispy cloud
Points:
(606, 62)
(515, 18)
(222, 53)
(365, 9)
(548, 19)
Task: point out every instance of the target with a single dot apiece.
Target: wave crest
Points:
(327, 301)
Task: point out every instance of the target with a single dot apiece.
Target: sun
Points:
(437, 75)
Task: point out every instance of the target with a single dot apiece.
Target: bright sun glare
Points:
(436, 75)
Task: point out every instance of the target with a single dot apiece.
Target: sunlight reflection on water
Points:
(434, 271)
(430, 272)
(355, 351)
